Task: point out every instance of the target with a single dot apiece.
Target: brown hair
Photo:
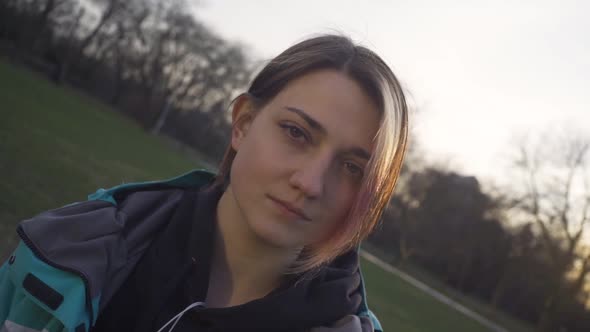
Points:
(378, 81)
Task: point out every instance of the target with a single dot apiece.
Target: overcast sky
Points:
(479, 72)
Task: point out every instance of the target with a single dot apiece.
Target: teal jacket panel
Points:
(39, 304)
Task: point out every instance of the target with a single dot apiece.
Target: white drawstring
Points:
(176, 318)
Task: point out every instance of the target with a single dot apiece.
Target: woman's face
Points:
(300, 159)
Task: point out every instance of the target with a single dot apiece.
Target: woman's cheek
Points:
(280, 152)
(345, 194)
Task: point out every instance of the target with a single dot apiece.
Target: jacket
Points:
(72, 260)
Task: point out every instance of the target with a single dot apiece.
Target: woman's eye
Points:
(353, 169)
(294, 132)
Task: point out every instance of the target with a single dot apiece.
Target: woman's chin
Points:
(276, 233)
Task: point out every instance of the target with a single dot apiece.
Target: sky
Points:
(478, 73)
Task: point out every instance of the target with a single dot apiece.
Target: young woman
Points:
(269, 243)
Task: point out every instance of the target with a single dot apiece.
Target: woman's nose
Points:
(311, 176)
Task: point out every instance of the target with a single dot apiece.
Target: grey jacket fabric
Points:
(100, 240)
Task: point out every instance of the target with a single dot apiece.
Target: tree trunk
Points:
(498, 292)
(42, 24)
(109, 11)
(79, 50)
(162, 118)
(63, 67)
(405, 251)
(545, 323)
(578, 283)
(547, 317)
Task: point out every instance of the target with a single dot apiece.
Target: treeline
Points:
(149, 59)
(522, 251)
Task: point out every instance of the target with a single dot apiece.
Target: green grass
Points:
(57, 146)
(475, 304)
(402, 307)
(508, 322)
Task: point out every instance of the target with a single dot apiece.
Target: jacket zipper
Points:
(39, 255)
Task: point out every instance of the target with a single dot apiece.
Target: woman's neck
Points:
(243, 266)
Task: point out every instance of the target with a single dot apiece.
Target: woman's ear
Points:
(242, 117)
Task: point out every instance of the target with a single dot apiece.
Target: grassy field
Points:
(482, 308)
(56, 146)
(402, 307)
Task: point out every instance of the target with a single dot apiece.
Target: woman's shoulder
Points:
(193, 179)
(130, 208)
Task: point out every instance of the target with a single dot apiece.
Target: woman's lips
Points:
(289, 209)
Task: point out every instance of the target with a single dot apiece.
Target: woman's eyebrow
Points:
(356, 151)
(360, 152)
(310, 121)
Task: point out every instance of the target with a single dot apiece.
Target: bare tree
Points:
(44, 19)
(556, 199)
